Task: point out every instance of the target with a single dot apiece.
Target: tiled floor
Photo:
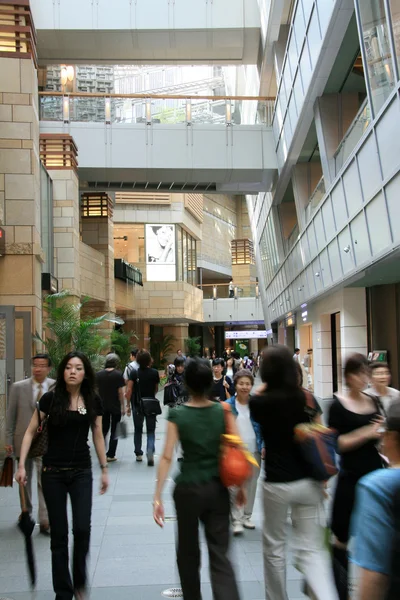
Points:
(131, 558)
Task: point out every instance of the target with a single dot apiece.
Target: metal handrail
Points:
(151, 96)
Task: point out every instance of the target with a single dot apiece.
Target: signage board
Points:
(245, 335)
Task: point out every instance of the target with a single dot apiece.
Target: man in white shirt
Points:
(296, 355)
(380, 379)
(21, 406)
(133, 365)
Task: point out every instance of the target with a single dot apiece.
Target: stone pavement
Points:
(131, 558)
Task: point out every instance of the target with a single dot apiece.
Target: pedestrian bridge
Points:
(197, 144)
(147, 31)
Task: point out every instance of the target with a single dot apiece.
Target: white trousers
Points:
(240, 513)
(304, 498)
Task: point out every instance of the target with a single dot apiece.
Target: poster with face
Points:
(160, 252)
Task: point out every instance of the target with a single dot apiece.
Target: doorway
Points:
(15, 355)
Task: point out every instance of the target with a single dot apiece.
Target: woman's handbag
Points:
(235, 465)
(7, 472)
(40, 442)
(318, 444)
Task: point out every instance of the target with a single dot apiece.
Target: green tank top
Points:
(200, 431)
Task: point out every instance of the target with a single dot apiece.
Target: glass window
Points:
(179, 255)
(377, 51)
(395, 14)
(46, 205)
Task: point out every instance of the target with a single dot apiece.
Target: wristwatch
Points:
(104, 466)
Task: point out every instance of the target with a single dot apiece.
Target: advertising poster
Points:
(160, 253)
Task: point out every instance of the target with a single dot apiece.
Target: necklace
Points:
(80, 406)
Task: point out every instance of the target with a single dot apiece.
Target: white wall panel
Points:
(388, 136)
(378, 224)
(393, 202)
(348, 262)
(312, 244)
(325, 268)
(319, 230)
(360, 239)
(334, 259)
(352, 186)
(327, 217)
(339, 205)
(368, 163)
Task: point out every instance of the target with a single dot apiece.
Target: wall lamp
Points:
(317, 274)
(346, 249)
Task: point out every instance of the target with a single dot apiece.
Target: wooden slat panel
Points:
(58, 151)
(142, 198)
(17, 31)
(194, 205)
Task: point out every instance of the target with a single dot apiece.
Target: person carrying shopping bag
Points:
(199, 494)
(250, 432)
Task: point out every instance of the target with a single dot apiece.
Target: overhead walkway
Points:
(197, 144)
(147, 31)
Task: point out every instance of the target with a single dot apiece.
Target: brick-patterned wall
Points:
(92, 273)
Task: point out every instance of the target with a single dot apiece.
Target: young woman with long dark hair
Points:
(73, 407)
(356, 417)
(279, 407)
(199, 494)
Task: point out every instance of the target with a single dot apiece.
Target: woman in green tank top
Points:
(199, 494)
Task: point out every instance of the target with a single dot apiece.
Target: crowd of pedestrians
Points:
(206, 398)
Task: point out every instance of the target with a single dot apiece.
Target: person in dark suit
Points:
(22, 403)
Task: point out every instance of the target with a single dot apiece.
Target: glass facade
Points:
(186, 257)
(46, 215)
(377, 50)
(269, 250)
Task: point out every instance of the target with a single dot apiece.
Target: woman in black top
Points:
(223, 387)
(278, 409)
(355, 416)
(148, 385)
(73, 407)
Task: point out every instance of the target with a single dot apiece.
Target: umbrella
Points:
(26, 525)
(7, 473)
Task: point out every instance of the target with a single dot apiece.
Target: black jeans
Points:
(114, 419)
(151, 421)
(208, 503)
(78, 483)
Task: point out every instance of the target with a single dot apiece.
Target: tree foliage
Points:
(193, 346)
(67, 330)
(121, 344)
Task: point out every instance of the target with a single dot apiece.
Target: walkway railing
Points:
(149, 109)
(353, 135)
(315, 198)
(214, 291)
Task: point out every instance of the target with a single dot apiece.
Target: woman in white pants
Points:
(278, 409)
(250, 432)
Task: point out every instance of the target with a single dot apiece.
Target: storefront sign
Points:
(245, 335)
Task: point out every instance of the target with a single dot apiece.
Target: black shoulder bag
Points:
(40, 442)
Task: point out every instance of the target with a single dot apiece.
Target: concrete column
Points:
(305, 177)
(333, 114)
(322, 356)
(180, 331)
(20, 267)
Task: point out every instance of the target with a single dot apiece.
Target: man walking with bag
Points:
(22, 403)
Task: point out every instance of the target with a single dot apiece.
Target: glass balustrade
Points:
(247, 289)
(315, 198)
(353, 135)
(167, 110)
(291, 240)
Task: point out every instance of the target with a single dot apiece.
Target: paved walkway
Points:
(131, 558)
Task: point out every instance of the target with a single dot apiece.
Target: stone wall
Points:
(92, 273)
